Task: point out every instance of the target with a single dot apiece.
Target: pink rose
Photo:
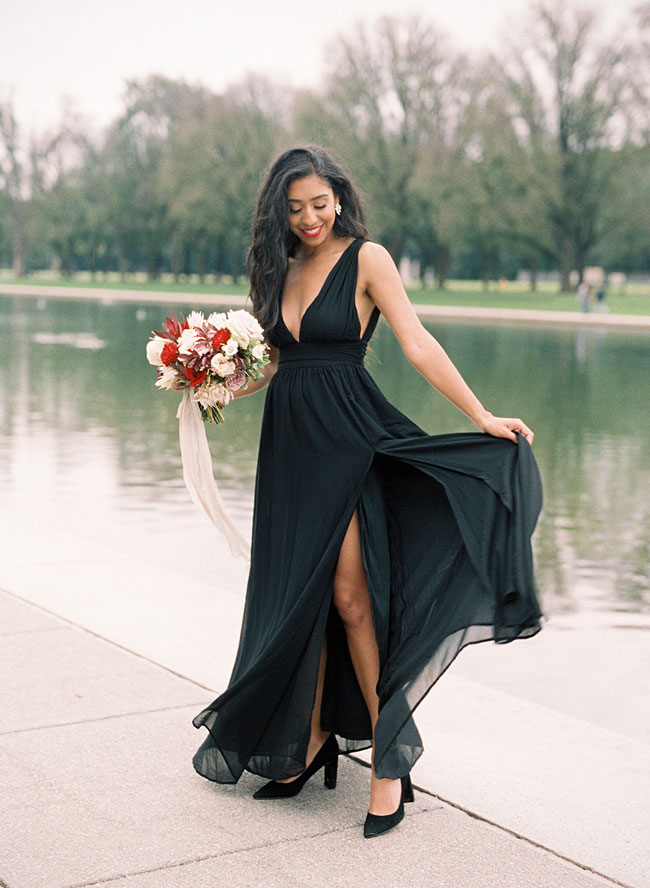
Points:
(236, 380)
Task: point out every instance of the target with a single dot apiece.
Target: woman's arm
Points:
(385, 288)
(267, 375)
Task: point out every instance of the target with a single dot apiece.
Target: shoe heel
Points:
(330, 772)
(407, 788)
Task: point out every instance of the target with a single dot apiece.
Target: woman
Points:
(378, 551)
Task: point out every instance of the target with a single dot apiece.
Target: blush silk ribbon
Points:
(198, 475)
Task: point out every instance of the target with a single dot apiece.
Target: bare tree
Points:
(13, 175)
(564, 90)
(388, 94)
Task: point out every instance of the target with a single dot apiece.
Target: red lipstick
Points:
(312, 232)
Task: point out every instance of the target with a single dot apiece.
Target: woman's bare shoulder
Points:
(372, 256)
(375, 262)
(371, 250)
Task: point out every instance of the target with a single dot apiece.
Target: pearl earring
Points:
(337, 208)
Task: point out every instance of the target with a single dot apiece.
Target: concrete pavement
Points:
(98, 789)
(107, 653)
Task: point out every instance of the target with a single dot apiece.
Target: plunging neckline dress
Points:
(445, 523)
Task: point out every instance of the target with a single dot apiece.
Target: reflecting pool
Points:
(87, 439)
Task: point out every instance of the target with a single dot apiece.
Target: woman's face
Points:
(311, 209)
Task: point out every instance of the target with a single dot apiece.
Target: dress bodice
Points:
(332, 316)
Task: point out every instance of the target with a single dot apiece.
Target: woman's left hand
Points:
(505, 427)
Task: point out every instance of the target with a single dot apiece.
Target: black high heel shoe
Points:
(326, 757)
(376, 824)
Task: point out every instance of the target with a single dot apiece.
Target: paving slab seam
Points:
(510, 832)
(101, 718)
(203, 857)
(110, 641)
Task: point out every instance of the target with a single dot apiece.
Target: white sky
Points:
(82, 51)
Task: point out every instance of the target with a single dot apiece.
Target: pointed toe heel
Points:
(377, 824)
(326, 758)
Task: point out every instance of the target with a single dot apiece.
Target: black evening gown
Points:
(445, 523)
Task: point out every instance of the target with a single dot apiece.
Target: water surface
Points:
(87, 439)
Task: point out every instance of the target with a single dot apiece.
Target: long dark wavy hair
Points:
(273, 241)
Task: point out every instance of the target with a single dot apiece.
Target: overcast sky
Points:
(83, 50)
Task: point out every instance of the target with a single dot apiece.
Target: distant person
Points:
(378, 551)
(584, 296)
(601, 293)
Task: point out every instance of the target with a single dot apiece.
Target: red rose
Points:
(220, 338)
(169, 353)
(193, 377)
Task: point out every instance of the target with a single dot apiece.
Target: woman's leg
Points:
(317, 736)
(352, 601)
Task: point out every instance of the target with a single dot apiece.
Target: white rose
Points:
(154, 348)
(167, 378)
(187, 342)
(217, 319)
(225, 395)
(259, 351)
(221, 365)
(195, 319)
(212, 394)
(244, 327)
(230, 348)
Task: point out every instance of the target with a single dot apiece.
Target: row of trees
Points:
(538, 158)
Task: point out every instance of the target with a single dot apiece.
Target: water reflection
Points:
(82, 427)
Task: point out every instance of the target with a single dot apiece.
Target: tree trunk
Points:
(533, 274)
(19, 246)
(153, 264)
(581, 261)
(122, 263)
(485, 273)
(395, 246)
(187, 259)
(176, 261)
(442, 267)
(201, 263)
(19, 258)
(565, 258)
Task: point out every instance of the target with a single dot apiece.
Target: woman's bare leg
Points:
(352, 601)
(318, 736)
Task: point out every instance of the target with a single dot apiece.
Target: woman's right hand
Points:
(505, 427)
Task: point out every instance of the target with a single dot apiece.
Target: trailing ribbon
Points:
(198, 476)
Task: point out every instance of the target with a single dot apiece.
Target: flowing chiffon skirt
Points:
(445, 523)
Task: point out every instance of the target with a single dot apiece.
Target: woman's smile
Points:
(312, 232)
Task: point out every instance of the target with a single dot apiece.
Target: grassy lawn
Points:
(629, 299)
(164, 284)
(632, 299)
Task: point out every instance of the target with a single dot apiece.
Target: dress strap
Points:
(375, 315)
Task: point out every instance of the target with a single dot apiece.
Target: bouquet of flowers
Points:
(213, 356)
(207, 359)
